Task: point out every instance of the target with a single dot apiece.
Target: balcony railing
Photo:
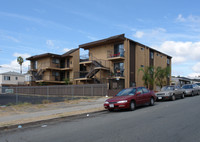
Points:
(111, 54)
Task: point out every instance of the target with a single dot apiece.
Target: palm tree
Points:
(20, 61)
(148, 76)
(161, 75)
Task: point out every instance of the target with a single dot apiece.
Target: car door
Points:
(146, 95)
(139, 97)
(179, 91)
(195, 88)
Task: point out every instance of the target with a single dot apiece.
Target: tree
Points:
(148, 76)
(162, 75)
(20, 61)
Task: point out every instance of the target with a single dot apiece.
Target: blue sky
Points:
(34, 27)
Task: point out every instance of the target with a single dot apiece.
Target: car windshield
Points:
(126, 92)
(187, 87)
(167, 88)
(198, 84)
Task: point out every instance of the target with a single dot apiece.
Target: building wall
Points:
(141, 61)
(1, 79)
(12, 80)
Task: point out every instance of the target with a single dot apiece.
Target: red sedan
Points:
(130, 98)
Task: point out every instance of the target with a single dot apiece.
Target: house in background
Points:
(51, 68)
(116, 61)
(11, 79)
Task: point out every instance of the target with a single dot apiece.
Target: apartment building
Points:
(11, 79)
(52, 69)
(116, 61)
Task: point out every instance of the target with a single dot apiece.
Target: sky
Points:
(32, 27)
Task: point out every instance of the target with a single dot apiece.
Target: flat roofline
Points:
(149, 48)
(103, 41)
(112, 39)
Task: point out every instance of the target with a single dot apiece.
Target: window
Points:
(142, 66)
(119, 69)
(157, 54)
(6, 77)
(151, 55)
(168, 61)
(139, 90)
(16, 78)
(145, 90)
(142, 48)
(34, 64)
(54, 73)
(55, 61)
(68, 74)
(119, 50)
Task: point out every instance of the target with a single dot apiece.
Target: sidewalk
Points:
(71, 109)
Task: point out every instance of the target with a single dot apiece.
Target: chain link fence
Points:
(46, 94)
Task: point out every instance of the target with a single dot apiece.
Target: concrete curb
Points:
(48, 121)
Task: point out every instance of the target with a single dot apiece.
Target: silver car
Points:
(170, 93)
(191, 89)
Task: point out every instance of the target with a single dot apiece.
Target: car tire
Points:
(182, 96)
(173, 98)
(151, 103)
(192, 94)
(132, 106)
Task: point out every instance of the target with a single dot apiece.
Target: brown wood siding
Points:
(132, 63)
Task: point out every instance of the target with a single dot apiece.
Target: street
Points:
(170, 121)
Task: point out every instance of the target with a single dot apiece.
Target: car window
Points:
(139, 90)
(145, 90)
(126, 92)
(187, 87)
(167, 88)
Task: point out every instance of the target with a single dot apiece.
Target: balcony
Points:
(117, 75)
(81, 75)
(113, 57)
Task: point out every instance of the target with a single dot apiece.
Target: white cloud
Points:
(194, 75)
(180, 18)
(66, 49)
(181, 51)
(196, 68)
(25, 55)
(50, 43)
(139, 34)
(14, 66)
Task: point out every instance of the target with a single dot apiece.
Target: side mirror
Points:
(138, 93)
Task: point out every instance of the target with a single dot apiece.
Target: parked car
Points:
(170, 93)
(198, 84)
(191, 89)
(130, 98)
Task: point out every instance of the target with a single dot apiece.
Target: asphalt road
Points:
(177, 121)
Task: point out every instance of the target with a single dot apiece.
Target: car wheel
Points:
(183, 96)
(132, 106)
(192, 94)
(151, 102)
(173, 98)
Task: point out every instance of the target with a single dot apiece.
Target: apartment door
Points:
(67, 63)
(62, 63)
(62, 75)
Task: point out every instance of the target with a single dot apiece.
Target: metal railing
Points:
(111, 54)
